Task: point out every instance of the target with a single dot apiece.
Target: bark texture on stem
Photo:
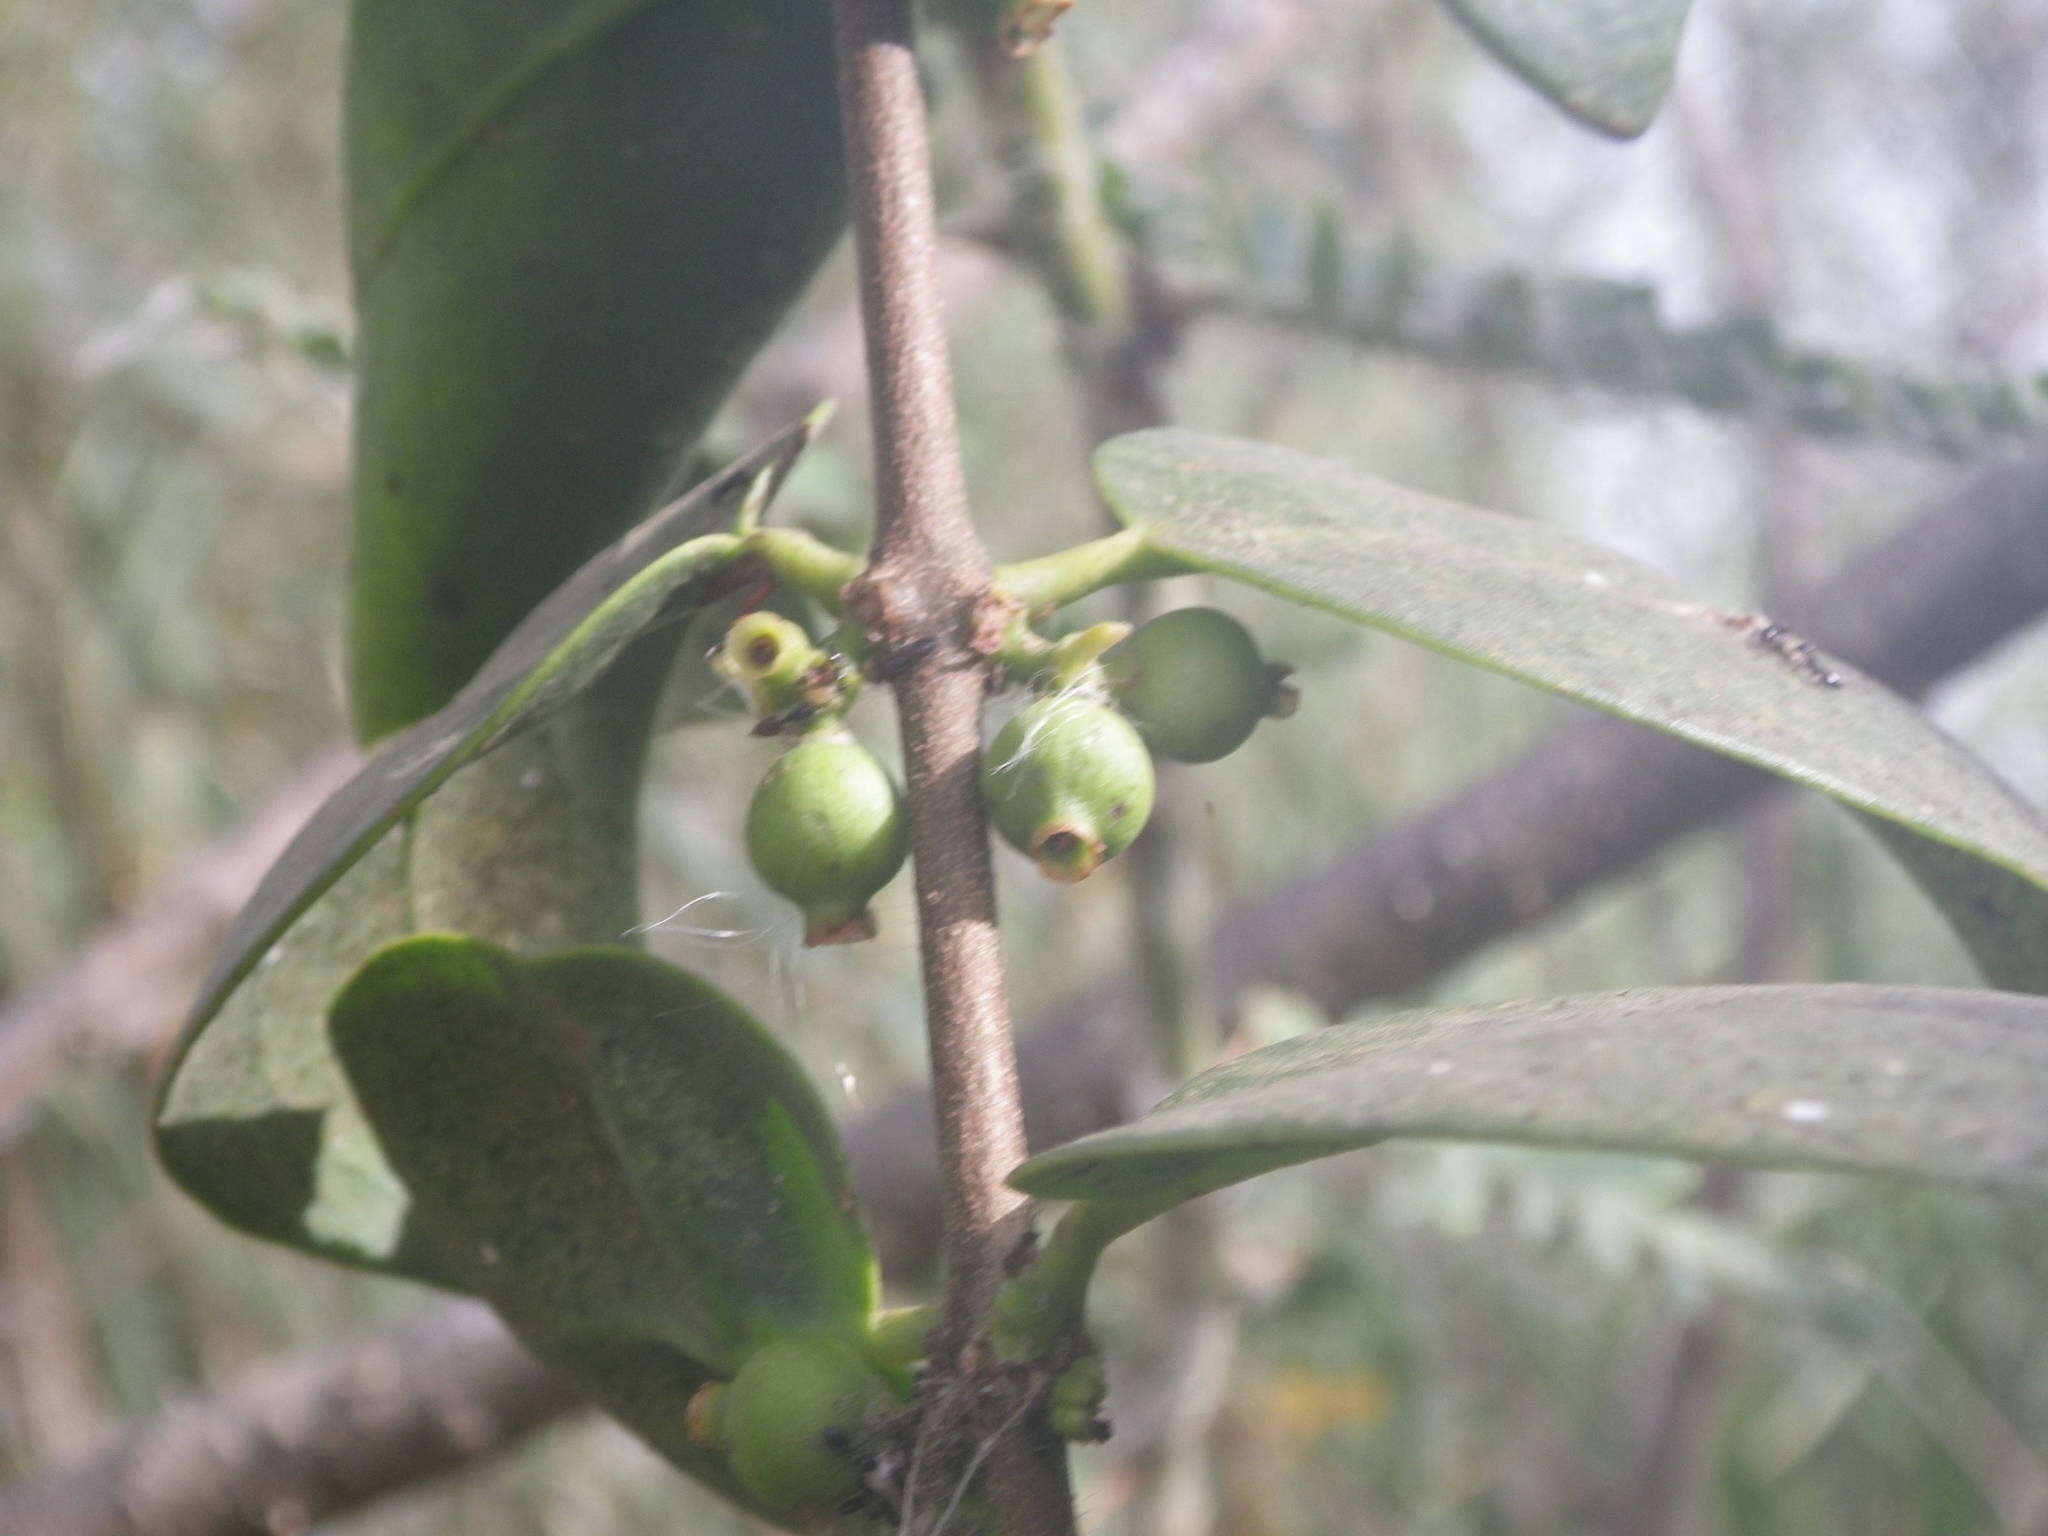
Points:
(925, 603)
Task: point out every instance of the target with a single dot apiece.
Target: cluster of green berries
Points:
(1068, 780)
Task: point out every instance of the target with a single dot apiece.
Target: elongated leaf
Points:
(1606, 62)
(1539, 604)
(571, 223)
(1921, 1082)
(529, 842)
(616, 1156)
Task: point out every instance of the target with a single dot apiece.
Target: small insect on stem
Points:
(889, 666)
(1783, 642)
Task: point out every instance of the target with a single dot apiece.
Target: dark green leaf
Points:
(1921, 1082)
(530, 842)
(1607, 62)
(1536, 603)
(604, 1146)
(571, 224)
(616, 1156)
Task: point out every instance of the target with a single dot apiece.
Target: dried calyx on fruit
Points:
(1068, 782)
(825, 829)
(1195, 685)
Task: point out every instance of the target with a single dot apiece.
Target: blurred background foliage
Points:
(1420, 1340)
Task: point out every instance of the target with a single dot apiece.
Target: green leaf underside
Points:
(1536, 603)
(252, 1115)
(560, 648)
(1606, 62)
(643, 186)
(604, 1147)
(1926, 1083)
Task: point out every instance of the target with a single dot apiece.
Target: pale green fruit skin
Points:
(775, 1417)
(1071, 764)
(1193, 682)
(826, 829)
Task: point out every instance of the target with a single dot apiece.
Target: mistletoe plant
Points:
(423, 1050)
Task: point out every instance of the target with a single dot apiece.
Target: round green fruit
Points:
(1068, 783)
(1194, 683)
(793, 1421)
(825, 829)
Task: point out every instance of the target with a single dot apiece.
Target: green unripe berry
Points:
(792, 1422)
(1194, 683)
(1068, 783)
(825, 829)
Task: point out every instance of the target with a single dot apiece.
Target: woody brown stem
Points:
(931, 622)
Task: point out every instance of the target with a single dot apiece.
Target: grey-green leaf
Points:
(1919, 1082)
(1606, 62)
(1537, 603)
(253, 1116)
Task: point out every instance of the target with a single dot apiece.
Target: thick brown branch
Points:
(306, 1438)
(125, 990)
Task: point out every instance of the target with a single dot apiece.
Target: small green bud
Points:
(701, 686)
(1068, 783)
(787, 679)
(792, 1423)
(1194, 683)
(826, 829)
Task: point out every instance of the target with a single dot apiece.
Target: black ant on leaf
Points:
(1782, 641)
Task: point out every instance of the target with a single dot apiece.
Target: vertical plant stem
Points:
(925, 601)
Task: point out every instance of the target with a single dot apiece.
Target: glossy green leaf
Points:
(1920, 1082)
(528, 840)
(571, 223)
(1532, 601)
(603, 1145)
(1606, 62)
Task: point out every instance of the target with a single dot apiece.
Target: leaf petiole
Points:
(1053, 581)
(1036, 1311)
(804, 563)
